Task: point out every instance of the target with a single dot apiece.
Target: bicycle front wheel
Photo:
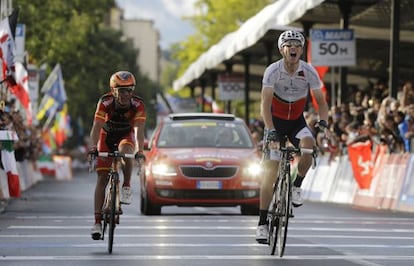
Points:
(112, 214)
(283, 221)
(273, 221)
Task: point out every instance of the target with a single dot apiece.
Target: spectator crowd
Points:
(29, 143)
(369, 114)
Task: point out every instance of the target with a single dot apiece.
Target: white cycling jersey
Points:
(290, 92)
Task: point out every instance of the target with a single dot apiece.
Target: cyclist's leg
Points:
(270, 168)
(102, 169)
(303, 139)
(266, 193)
(305, 160)
(126, 145)
(266, 190)
(101, 183)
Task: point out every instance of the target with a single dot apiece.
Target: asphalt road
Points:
(50, 224)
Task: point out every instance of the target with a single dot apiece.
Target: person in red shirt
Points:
(119, 117)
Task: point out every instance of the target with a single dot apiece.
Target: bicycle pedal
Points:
(262, 241)
(291, 215)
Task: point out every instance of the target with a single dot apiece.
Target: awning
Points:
(275, 16)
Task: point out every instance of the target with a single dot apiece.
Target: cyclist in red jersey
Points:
(285, 87)
(119, 117)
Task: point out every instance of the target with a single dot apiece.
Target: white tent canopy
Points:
(275, 16)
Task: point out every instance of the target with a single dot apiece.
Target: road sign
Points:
(332, 47)
(231, 87)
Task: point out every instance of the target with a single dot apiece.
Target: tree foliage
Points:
(215, 19)
(72, 33)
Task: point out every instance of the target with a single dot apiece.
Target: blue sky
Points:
(166, 14)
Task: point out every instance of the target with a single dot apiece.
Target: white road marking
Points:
(249, 236)
(206, 257)
(174, 227)
(191, 245)
(245, 224)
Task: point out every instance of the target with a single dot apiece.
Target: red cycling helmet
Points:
(122, 79)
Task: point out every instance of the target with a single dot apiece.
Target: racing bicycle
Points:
(111, 209)
(280, 208)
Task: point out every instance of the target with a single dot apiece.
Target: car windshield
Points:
(204, 134)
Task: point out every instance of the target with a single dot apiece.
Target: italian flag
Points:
(9, 164)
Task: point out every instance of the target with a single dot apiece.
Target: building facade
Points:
(145, 38)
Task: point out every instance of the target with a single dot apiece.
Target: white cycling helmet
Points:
(290, 35)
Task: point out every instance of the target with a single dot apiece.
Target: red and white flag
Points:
(21, 90)
(7, 52)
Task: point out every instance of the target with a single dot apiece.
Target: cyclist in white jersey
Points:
(285, 87)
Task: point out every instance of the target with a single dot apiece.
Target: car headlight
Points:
(253, 169)
(163, 169)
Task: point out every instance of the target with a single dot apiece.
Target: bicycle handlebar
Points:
(116, 155)
(302, 151)
(306, 151)
(92, 161)
(298, 150)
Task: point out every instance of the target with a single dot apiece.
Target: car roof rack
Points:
(190, 116)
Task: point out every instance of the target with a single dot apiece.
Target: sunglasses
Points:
(292, 43)
(125, 90)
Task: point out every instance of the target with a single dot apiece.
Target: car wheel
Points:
(147, 208)
(249, 209)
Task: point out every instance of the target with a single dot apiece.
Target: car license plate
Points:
(209, 185)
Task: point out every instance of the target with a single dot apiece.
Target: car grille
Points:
(206, 194)
(198, 171)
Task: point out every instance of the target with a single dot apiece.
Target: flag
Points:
(360, 155)
(61, 128)
(7, 52)
(21, 90)
(48, 143)
(54, 94)
(8, 159)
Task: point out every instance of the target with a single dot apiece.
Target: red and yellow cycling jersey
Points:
(105, 111)
(119, 125)
(290, 92)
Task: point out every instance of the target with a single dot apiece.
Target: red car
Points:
(201, 159)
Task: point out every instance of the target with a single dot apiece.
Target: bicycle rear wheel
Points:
(112, 214)
(283, 219)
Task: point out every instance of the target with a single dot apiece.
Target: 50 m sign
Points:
(332, 47)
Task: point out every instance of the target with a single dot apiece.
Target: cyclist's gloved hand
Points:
(92, 153)
(139, 156)
(272, 136)
(322, 124)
